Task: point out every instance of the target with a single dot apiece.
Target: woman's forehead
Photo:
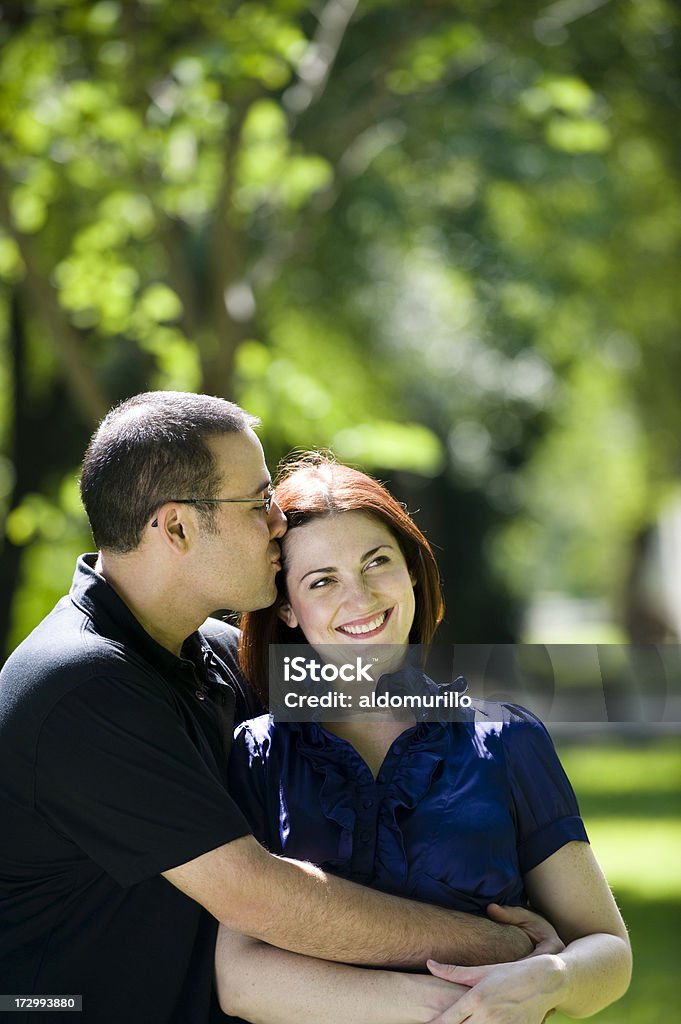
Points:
(345, 533)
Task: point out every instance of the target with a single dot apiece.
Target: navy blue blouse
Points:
(457, 815)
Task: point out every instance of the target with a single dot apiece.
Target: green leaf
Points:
(160, 303)
(405, 446)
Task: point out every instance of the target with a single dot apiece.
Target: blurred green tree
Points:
(437, 237)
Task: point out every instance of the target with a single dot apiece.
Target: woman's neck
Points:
(371, 735)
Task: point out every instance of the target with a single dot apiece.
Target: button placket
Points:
(368, 802)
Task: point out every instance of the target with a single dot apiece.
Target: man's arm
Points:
(298, 907)
(266, 985)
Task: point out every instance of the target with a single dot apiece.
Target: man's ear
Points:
(172, 527)
(285, 613)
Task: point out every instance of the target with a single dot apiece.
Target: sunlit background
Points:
(440, 238)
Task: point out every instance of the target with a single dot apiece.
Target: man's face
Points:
(235, 566)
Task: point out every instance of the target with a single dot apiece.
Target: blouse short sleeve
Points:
(544, 803)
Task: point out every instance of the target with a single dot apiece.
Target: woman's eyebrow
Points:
(328, 568)
(368, 554)
(332, 568)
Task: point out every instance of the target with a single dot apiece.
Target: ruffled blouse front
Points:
(458, 813)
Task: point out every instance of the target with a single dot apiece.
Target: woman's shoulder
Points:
(504, 713)
(255, 734)
(481, 712)
(517, 728)
(521, 737)
(261, 737)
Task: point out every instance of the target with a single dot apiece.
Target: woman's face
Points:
(347, 582)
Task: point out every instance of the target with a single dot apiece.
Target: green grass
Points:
(630, 797)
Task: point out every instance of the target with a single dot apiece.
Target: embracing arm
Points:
(266, 985)
(592, 971)
(298, 907)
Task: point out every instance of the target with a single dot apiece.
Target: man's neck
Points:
(162, 613)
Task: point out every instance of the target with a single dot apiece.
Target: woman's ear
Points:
(285, 613)
(412, 577)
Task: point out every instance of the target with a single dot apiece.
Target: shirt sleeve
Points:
(121, 775)
(544, 803)
(247, 771)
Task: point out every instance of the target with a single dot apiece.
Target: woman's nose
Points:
(359, 590)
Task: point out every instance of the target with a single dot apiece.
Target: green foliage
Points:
(438, 238)
(630, 797)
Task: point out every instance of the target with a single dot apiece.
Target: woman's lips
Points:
(367, 626)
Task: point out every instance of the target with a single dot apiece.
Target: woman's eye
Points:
(379, 560)
(323, 581)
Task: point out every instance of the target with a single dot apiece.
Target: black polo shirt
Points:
(112, 770)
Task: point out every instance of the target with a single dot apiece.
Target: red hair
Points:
(313, 486)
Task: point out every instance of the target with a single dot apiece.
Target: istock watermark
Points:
(301, 670)
(561, 683)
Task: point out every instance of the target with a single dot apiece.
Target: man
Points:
(121, 848)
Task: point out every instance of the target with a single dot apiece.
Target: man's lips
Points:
(367, 626)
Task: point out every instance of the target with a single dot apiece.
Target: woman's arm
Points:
(267, 985)
(593, 970)
(571, 889)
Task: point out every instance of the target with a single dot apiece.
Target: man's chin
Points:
(265, 600)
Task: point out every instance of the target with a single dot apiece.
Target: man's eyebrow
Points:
(262, 487)
(332, 568)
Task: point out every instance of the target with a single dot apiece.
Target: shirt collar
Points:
(95, 596)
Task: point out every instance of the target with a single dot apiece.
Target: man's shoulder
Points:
(61, 664)
(60, 643)
(222, 636)
(61, 655)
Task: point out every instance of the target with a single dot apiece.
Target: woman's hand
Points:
(524, 992)
(543, 934)
(591, 971)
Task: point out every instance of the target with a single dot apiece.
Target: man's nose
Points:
(276, 521)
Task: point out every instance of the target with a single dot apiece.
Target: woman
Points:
(465, 814)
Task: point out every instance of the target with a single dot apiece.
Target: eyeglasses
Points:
(265, 503)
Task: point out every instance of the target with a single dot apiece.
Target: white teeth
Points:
(366, 628)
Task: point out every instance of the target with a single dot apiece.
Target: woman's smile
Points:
(369, 625)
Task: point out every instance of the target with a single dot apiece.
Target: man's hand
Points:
(543, 935)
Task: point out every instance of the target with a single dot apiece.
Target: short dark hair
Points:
(148, 449)
(313, 486)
